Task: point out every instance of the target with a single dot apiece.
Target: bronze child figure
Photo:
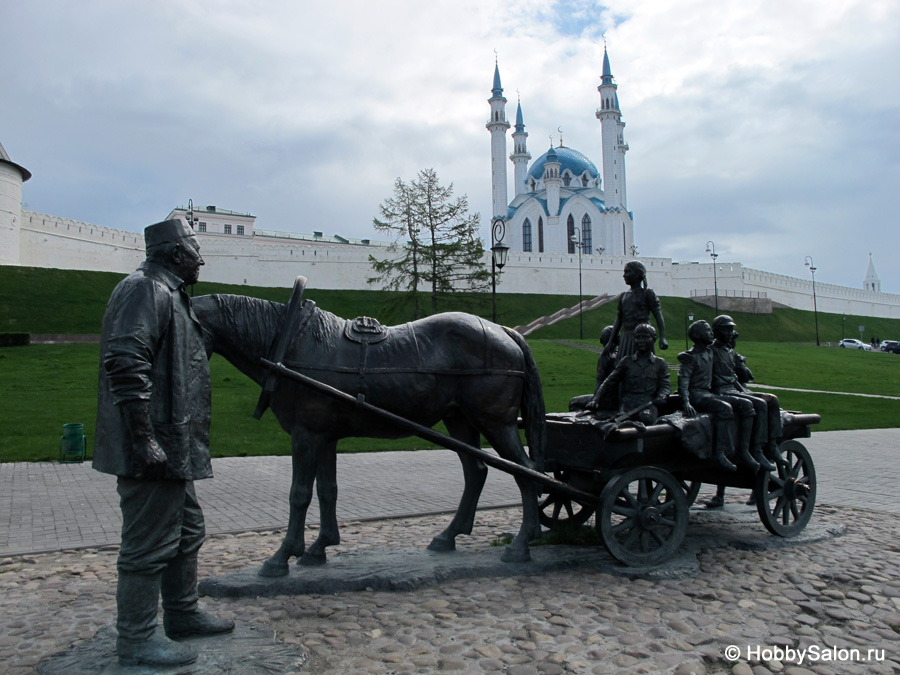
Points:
(635, 307)
(642, 379)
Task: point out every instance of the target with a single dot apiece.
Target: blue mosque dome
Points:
(568, 158)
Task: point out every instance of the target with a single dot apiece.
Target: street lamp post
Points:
(688, 318)
(843, 319)
(499, 253)
(812, 270)
(711, 249)
(579, 244)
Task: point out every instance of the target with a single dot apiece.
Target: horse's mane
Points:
(258, 322)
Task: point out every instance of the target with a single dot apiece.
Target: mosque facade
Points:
(561, 201)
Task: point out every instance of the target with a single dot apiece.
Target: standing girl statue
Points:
(635, 307)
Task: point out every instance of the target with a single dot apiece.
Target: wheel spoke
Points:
(624, 526)
(657, 491)
(645, 541)
(642, 490)
(629, 540)
(623, 510)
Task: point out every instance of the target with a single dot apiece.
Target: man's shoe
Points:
(180, 625)
(154, 651)
(715, 503)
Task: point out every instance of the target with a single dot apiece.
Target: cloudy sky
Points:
(771, 127)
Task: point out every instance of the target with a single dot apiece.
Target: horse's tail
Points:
(533, 411)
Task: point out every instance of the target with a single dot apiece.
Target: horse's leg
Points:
(326, 488)
(474, 473)
(508, 445)
(303, 462)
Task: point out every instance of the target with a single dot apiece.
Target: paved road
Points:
(50, 506)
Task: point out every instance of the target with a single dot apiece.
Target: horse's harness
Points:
(363, 330)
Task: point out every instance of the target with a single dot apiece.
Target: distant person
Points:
(153, 433)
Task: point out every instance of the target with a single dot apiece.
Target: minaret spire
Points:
(614, 148)
(498, 126)
(520, 155)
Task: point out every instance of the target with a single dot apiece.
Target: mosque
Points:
(567, 227)
(560, 201)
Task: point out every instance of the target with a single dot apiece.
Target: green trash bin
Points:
(72, 444)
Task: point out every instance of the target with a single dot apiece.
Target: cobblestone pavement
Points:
(50, 506)
(835, 604)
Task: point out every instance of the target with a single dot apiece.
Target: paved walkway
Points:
(50, 506)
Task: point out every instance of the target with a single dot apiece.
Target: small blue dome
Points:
(568, 158)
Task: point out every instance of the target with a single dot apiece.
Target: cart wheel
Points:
(558, 511)
(691, 490)
(643, 515)
(788, 494)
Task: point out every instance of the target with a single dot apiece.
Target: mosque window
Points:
(526, 236)
(586, 235)
(240, 229)
(227, 228)
(584, 180)
(570, 232)
(201, 227)
(567, 178)
(540, 234)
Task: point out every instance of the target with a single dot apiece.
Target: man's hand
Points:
(688, 409)
(150, 459)
(663, 344)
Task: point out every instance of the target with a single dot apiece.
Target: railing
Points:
(724, 293)
(336, 239)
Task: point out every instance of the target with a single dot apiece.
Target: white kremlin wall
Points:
(263, 258)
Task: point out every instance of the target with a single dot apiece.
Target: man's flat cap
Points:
(166, 232)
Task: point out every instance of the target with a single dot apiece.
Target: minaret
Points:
(614, 146)
(11, 178)
(872, 282)
(520, 155)
(552, 182)
(498, 126)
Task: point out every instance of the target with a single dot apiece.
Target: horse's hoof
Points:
(442, 545)
(515, 555)
(273, 569)
(311, 559)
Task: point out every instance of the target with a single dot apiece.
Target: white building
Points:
(561, 202)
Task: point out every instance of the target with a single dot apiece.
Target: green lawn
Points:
(45, 386)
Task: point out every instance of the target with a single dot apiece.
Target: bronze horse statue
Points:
(475, 376)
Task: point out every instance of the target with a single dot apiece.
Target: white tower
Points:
(872, 282)
(498, 126)
(11, 178)
(520, 155)
(614, 146)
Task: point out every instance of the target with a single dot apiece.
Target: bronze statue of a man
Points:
(153, 433)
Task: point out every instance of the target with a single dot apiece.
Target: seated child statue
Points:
(695, 376)
(642, 379)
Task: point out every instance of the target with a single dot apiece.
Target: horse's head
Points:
(238, 327)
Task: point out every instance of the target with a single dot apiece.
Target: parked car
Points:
(892, 346)
(853, 343)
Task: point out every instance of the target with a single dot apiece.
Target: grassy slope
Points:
(64, 301)
(45, 386)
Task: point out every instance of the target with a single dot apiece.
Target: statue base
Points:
(383, 569)
(247, 650)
